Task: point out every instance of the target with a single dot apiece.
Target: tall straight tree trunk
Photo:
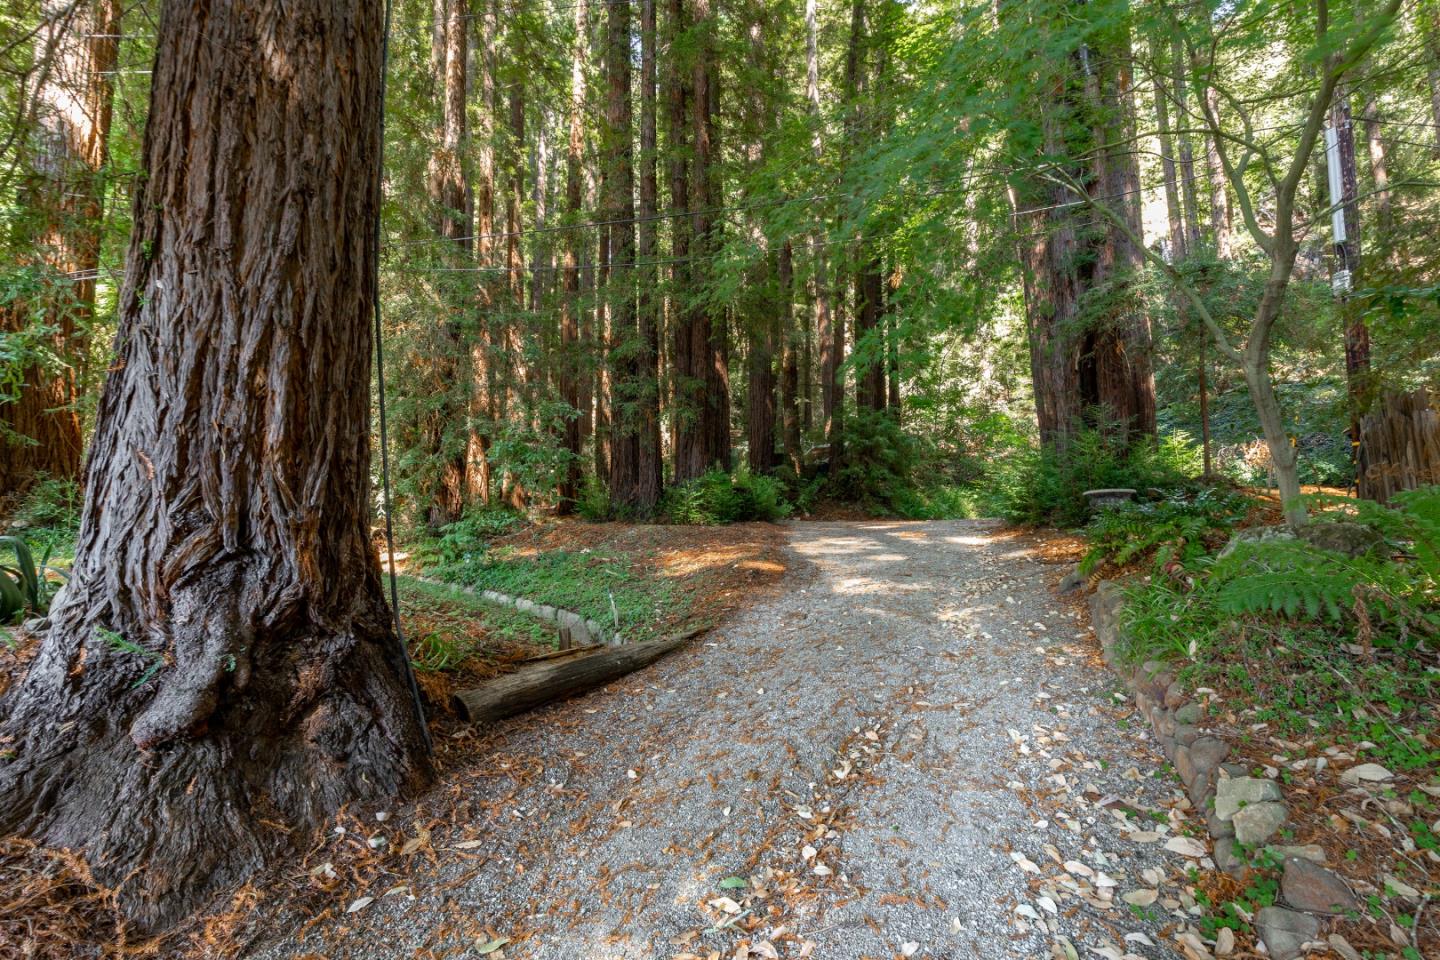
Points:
(627, 384)
(1429, 24)
(702, 434)
(1379, 170)
(651, 469)
(519, 395)
(870, 370)
(1085, 108)
(760, 403)
(221, 674)
(483, 379)
(1174, 211)
(820, 281)
(569, 362)
(678, 97)
(1185, 147)
(39, 425)
(790, 398)
(449, 192)
(1117, 352)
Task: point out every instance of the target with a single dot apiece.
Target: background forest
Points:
(881, 251)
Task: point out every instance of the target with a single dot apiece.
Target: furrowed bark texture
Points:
(702, 432)
(225, 530)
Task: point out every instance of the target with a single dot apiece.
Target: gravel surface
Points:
(911, 751)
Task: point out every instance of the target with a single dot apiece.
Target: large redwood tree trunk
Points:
(224, 532)
(702, 430)
(75, 53)
(627, 384)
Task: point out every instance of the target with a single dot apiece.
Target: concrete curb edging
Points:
(1238, 808)
(583, 631)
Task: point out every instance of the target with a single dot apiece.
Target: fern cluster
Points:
(1176, 530)
(1399, 585)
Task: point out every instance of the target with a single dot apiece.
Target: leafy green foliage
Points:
(472, 532)
(1174, 529)
(25, 587)
(718, 498)
(877, 466)
(1294, 578)
(1047, 486)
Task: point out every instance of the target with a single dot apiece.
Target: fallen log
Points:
(545, 681)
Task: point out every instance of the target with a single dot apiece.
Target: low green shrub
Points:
(472, 532)
(718, 498)
(1045, 487)
(1178, 529)
(878, 463)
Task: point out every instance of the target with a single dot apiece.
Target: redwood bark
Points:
(225, 526)
(651, 469)
(702, 433)
(1098, 357)
(829, 355)
(39, 427)
(617, 193)
(451, 196)
(569, 361)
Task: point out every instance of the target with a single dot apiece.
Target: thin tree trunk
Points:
(519, 404)
(39, 426)
(651, 468)
(1379, 169)
(484, 383)
(820, 281)
(1348, 259)
(220, 676)
(1429, 22)
(618, 199)
(790, 393)
(1175, 214)
(678, 95)
(569, 361)
(1220, 214)
(449, 193)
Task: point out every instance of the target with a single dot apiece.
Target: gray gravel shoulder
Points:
(912, 751)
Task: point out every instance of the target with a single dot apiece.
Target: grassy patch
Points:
(443, 640)
(600, 585)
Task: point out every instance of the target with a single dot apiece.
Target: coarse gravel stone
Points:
(1308, 886)
(1234, 793)
(1258, 822)
(1286, 932)
(906, 687)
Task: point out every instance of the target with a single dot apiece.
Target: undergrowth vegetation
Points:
(1333, 633)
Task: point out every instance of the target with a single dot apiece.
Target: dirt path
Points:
(909, 752)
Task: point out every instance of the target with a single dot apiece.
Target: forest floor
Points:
(906, 747)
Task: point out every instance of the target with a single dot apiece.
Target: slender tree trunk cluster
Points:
(40, 430)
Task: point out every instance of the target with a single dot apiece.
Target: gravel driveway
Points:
(910, 751)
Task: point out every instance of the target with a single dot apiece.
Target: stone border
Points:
(583, 632)
(1238, 808)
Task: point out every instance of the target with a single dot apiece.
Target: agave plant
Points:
(25, 588)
